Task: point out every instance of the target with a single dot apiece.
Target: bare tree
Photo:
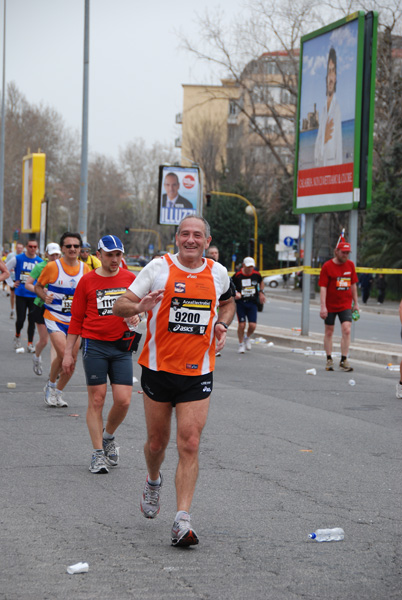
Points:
(139, 165)
(30, 128)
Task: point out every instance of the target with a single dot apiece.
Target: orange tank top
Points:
(180, 329)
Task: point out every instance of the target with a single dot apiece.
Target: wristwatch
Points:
(221, 323)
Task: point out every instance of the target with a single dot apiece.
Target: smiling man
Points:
(61, 278)
(172, 198)
(181, 294)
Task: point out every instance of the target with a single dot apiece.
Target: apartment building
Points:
(243, 119)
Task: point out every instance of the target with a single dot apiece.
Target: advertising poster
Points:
(179, 193)
(328, 141)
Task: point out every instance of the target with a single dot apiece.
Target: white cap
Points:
(249, 262)
(53, 248)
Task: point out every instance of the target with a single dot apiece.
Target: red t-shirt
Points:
(91, 310)
(338, 279)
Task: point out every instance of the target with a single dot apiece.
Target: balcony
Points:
(179, 118)
(177, 142)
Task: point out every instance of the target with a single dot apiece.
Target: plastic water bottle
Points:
(328, 535)
(355, 315)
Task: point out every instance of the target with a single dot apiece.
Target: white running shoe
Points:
(50, 395)
(98, 463)
(31, 349)
(59, 399)
(248, 343)
(182, 532)
(399, 390)
(242, 348)
(37, 364)
(17, 343)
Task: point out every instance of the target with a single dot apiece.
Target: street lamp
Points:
(250, 210)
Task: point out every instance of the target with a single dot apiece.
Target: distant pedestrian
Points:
(24, 299)
(19, 249)
(381, 287)
(249, 292)
(92, 319)
(86, 257)
(338, 289)
(53, 252)
(213, 252)
(365, 281)
(399, 384)
(56, 286)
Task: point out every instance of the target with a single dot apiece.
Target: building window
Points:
(233, 108)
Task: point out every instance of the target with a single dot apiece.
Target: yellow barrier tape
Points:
(308, 270)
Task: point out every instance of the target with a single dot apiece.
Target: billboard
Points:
(328, 133)
(33, 191)
(179, 193)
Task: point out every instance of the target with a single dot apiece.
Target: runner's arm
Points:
(129, 304)
(68, 363)
(5, 273)
(323, 302)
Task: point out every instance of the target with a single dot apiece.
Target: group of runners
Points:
(189, 302)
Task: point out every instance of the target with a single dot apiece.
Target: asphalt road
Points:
(283, 453)
(372, 326)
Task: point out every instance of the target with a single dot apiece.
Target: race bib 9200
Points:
(189, 315)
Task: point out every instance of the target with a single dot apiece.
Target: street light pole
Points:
(3, 132)
(251, 210)
(83, 209)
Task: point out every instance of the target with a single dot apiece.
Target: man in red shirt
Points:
(338, 288)
(92, 318)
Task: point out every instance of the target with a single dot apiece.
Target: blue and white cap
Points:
(109, 243)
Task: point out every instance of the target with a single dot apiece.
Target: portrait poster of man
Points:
(329, 113)
(179, 190)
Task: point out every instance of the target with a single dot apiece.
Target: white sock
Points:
(157, 482)
(181, 514)
(107, 436)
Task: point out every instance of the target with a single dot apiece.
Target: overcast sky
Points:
(136, 67)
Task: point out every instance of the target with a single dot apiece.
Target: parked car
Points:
(273, 281)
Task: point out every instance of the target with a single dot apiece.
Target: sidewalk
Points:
(379, 353)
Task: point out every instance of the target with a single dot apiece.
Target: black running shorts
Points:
(102, 359)
(169, 387)
(344, 315)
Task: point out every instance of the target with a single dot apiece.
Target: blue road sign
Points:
(288, 241)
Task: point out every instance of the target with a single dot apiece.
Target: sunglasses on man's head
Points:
(71, 245)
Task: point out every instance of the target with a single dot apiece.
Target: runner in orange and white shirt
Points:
(61, 278)
(181, 294)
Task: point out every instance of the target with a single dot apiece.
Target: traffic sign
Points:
(288, 241)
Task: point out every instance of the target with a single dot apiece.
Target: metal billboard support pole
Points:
(308, 254)
(3, 133)
(83, 207)
(353, 227)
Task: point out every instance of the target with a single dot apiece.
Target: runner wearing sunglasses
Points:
(61, 278)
